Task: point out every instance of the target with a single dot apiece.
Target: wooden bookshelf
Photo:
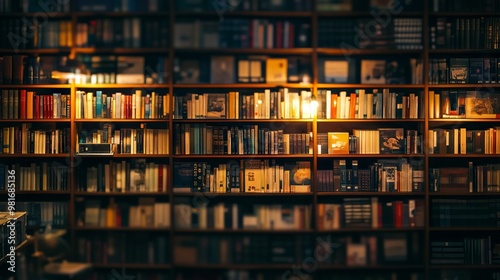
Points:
(314, 52)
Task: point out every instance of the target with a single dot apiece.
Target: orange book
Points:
(334, 106)
(338, 142)
(352, 106)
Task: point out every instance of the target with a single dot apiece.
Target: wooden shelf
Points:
(125, 156)
(121, 14)
(357, 52)
(464, 51)
(123, 86)
(447, 194)
(140, 51)
(261, 51)
(37, 86)
(466, 266)
(244, 86)
(281, 121)
(34, 155)
(31, 15)
(55, 51)
(38, 192)
(369, 86)
(112, 229)
(363, 14)
(253, 156)
(357, 230)
(464, 229)
(462, 120)
(373, 267)
(369, 120)
(236, 266)
(371, 156)
(241, 194)
(404, 194)
(37, 121)
(121, 120)
(464, 86)
(132, 266)
(80, 193)
(241, 231)
(232, 14)
(463, 156)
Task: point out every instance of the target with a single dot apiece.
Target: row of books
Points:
(123, 248)
(11, 222)
(250, 175)
(26, 104)
(282, 104)
(120, 105)
(465, 33)
(370, 71)
(28, 70)
(121, 6)
(25, 140)
(136, 175)
(474, 178)
(242, 5)
(128, 140)
(469, 250)
(132, 32)
(112, 69)
(382, 176)
(478, 104)
(464, 70)
(399, 33)
(363, 104)
(41, 214)
(370, 213)
(238, 140)
(464, 141)
(49, 34)
(30, 6)
(464, 6)
(378, 141)
(452, 212)
(147, 213)
(42, 176)
(241, 33)
(139, 275)
(257, 249)
(234, 216)
(242, 69)
(376, 6)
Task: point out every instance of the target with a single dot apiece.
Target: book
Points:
(338, 142)
(222, 70)
(373, 71)
(391, 140)
(482, 105)
(276, 70)
(216, 106)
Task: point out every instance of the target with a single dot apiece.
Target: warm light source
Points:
(313, 106)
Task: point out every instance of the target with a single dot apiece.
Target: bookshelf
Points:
(427, 59)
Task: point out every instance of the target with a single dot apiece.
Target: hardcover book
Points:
(222, 70)
(482, 105)
(338, 142)
(276, 70)
(459, 70)
(373, 71)
(216, 106)
(391, 140)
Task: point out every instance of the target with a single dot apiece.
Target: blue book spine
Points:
(98, 104)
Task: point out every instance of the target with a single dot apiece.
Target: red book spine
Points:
(398, 214)
(291, 35)
(51, 106)
(45, 107)
(250, 34)
(37, 106)
(23, 104)
(279, 34)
